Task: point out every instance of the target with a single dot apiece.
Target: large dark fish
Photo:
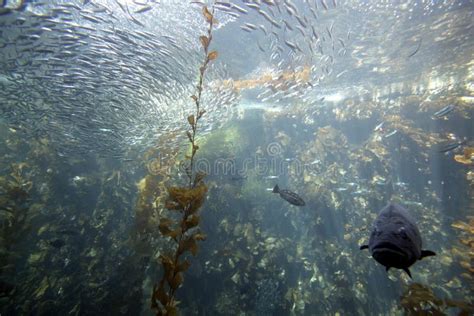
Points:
(289, 196)
(395, 240)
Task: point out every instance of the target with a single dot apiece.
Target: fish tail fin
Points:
(276, 189)
(408, 272)
(427, 253)
(364, 247)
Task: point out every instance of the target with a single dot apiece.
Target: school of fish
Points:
(109, 77)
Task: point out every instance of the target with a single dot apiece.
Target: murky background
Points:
(350, 104)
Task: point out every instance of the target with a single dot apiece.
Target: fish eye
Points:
(403, 234)
(376, 232)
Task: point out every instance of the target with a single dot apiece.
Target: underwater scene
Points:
(236, 157)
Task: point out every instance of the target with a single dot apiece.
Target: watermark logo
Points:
(274, 149)
(270, 162)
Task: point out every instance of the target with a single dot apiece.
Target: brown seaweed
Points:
(466, 253)
(186, 200)
(15, 220)
(419, 299)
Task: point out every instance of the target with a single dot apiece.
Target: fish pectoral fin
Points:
(408, 272)
(427, 253)
(364, 247)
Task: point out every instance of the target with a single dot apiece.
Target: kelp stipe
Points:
(187, 200)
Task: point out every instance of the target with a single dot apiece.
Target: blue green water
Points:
(339, 102)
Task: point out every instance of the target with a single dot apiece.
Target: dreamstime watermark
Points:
(270, 162)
